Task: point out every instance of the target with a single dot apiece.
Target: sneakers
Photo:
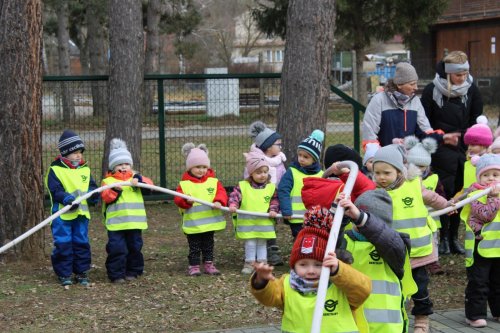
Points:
(83, 279)
(435, 268)
(65, 280)
(478, 323)
(421, 324)
(118, 281)
(247, 268)
(273, 256)
(194, 270)
(130, 278)
(210, 269)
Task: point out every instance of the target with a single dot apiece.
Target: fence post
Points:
(161, 132)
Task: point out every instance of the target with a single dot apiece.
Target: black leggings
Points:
(200, 244)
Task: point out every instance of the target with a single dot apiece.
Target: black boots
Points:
(456, 247)
(444, 246)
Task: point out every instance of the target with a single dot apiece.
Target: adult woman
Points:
(397, 112)
(452, 103)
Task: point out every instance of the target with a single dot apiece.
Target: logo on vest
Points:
(267, 199)
(210, 190)
(408, 201)
(375, 257)
(84, 179)
(330, 306)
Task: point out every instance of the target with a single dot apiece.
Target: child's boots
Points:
(421, 324)
(274, 256)
(194, 270)
(210, 269)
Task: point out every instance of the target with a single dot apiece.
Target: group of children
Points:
(389, 235)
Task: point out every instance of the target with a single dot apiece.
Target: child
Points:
(419, 154)
(258, 194)
(367, 169)
(382, 253)
(409, 199)
(481, 244)
(68, 178)
(199, 222)
(295, 293)
(124, 216)
(289, 189)
(268, 144)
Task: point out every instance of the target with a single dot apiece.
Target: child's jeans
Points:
(124, 254)
(71, 253)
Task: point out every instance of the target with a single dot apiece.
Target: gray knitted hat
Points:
(419, 153)
(263, 136)
(376, 202)
(394, 155)
(404, 73)
(119, 154)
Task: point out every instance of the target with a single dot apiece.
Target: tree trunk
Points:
(126, 77)
(362, 80)
(305, 86)
(64, 61)
(21, 184)
(151, 65)
(98, 55)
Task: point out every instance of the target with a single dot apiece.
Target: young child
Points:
(367, 169)
(481, 244)
(295, 293)
(419, 154)
(409, 199)
(267, 143)
(289, 190)
(199, 222)
(68, 178)
(124, 216)
(382, 253)
(258, 194)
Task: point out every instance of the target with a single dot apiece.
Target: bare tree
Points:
(21, 184)
(305, 85)
(98, 55)
(126, 77)
(64, 60)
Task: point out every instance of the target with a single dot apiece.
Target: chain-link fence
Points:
(212, 109)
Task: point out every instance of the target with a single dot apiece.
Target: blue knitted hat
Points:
(313, 144)
(69, 142)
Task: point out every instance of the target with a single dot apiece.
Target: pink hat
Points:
(195, 155)
(479, 134)
(255, 161)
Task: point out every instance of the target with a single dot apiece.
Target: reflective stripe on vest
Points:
(489, 246)
(410, 216)
(299, 309)
(126, 213)
(75, 182)
(469, 174)
(384, 308)
(255, 200)
(201, 218)
(430, 183)
(298, 207)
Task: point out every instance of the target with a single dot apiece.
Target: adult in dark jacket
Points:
(452, 102)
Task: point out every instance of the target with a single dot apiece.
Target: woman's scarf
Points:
(441, 88)
(401, 99)
(301, 285)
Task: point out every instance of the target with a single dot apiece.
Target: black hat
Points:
(341, 152)
(69, 142)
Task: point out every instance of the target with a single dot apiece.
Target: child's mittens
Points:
(138, 177)
(68, 201)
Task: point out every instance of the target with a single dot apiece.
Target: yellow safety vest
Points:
(469, 174)
(128, 212)
(298, 207)
(75, 182)
(410, 216)
(430, 183)
(384, 309)
(489, 246)
(299, 310)
(201, 218)
(255, 200)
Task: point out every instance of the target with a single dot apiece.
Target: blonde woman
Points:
(452, 102)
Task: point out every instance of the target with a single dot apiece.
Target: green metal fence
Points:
(215, 109)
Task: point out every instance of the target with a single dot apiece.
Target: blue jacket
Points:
(385, 120)
(56, 188)
(286, 185)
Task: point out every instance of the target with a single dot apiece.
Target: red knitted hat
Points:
(312, 239)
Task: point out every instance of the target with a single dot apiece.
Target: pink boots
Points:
(210, 268)
(194, 270)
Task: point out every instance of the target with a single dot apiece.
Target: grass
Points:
(164, 299)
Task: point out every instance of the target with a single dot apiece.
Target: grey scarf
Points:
(441, 88)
